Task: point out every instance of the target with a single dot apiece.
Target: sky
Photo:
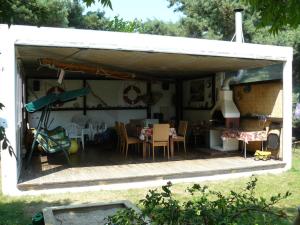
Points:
(140, 9)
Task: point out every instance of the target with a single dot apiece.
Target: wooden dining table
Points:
(146, 134)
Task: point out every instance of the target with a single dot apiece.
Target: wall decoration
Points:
(197, 91)
(132, 94)
(201, 93)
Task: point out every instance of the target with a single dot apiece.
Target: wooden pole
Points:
(51, 63)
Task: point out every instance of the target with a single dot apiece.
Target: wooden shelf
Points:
(66, 109)
(103, 108)
(119, 108)
(195, 108)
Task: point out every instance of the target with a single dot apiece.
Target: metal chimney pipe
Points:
(239, 37)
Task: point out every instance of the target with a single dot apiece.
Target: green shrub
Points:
(2, 133)
(3, 139)
(205, 207)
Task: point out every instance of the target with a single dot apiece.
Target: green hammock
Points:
(41, 103)
(53, 98)
(70, 95)
(54, 140)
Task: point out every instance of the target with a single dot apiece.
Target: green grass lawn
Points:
(18, 210)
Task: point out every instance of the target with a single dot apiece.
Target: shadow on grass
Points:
(18, 211)
(291, 213)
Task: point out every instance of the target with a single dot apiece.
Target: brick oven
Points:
(225, 115)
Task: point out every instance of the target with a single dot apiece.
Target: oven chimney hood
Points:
(226, 105)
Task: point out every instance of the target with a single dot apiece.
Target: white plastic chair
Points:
(96, 128)
(75, 131)
(81, 120)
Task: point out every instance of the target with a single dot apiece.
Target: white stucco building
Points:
(152, 58)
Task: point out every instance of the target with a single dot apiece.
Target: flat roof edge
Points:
(69, 37)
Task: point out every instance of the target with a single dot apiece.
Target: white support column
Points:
(8, 98)
(287, 112)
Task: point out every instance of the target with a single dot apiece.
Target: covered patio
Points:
(182, 77)
(103, 168)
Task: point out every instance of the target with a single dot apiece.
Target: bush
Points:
(205, 207)
(2, 133)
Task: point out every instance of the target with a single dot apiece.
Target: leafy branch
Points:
(103, 2)
(205, 207)
(276, 15)
(5, 144)
(2, 133)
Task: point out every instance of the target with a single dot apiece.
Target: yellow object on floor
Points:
(262, 155)
(74, 147)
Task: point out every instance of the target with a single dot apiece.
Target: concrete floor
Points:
(104, 165)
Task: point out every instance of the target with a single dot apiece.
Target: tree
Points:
(55, 13)
(274, 14)
(94, 21)
(277, 15)
(210, 19)
(75, 15)
(121, 25)
(15, 12)
(162, 28)
(35, 12)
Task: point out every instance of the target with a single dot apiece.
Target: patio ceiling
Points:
(157, 65)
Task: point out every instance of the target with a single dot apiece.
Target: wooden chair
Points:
(119, 136)
(160, 137)
(128, 140)
(273, 140)
(181, 134)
